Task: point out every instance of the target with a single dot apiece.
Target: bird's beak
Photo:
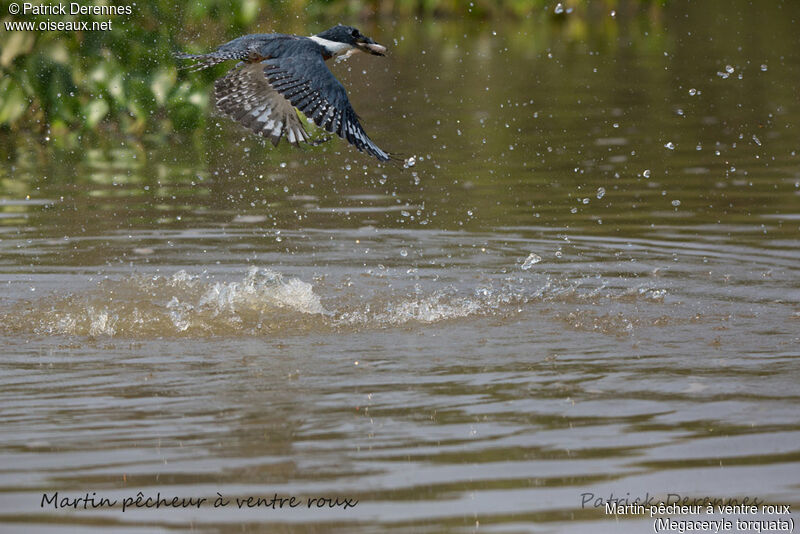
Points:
(371, 47)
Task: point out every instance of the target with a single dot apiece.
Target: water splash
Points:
(267, 303)
(530, 261)
(181, 304)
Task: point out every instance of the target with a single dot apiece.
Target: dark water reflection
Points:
(205, 314)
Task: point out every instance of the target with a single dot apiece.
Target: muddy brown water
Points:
(587, 286)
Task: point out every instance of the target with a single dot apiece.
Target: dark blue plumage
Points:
(279, 72)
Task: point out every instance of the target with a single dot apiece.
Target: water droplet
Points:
(530, 261)
(729, 69)
(403, 252)
(676, 203)
(601, 192)
(559, 8)
(670, 146)
(646, 173)
(692, 91)
(756, 140)
(410, 162)
(763, 67)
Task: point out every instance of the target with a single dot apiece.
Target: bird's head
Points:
(351, 36)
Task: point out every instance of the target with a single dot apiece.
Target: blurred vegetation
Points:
(68, 85)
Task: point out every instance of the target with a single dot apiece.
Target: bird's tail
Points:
(204, 61)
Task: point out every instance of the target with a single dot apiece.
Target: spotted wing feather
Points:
(309, 85)
(245, 95)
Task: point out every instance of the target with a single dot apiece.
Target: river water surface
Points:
(587, 286)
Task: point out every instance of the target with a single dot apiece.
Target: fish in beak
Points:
(365, 44)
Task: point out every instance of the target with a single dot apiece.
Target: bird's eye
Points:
(355, 33)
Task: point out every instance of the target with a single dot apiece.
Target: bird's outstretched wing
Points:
(246, 96)
(306, 82)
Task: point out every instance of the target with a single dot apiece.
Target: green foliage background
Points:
(71, 84)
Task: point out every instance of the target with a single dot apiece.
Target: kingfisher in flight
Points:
(278, 74)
